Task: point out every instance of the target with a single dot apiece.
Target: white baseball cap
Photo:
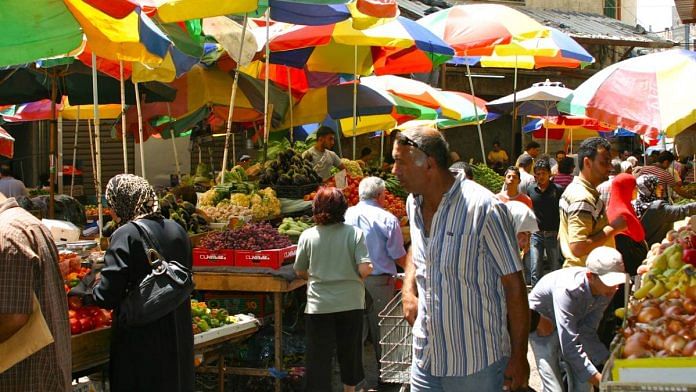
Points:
(608, 265)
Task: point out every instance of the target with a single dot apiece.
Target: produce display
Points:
(225, 211)
(390, 181)
(295, 226)
(183, 213)
(352, 167)
(92, 210)
(263, 204)
(289, 168)
(204, 319)
(253, 236)
(393, 204)
(203, 174)
(86, 318)
(661, 317)
(81, 318)
(487, 177)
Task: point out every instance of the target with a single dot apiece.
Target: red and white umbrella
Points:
(6, 144)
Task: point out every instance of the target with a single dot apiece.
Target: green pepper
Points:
(222, 315)
(203, 325)
(73, 282)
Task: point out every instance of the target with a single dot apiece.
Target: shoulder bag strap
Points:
(151, 247)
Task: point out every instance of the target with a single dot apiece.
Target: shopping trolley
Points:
(396, 344)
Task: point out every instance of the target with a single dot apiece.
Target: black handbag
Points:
(160, 292)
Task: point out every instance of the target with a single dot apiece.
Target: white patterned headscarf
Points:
(132, 197)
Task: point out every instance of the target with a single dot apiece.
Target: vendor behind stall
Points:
(244, 161)
(321, 156)
(10, 186)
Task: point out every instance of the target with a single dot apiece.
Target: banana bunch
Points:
(667, 272)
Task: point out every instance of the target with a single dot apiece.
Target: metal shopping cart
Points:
(396, 344)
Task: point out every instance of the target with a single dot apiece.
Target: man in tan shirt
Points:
(28, 266)
(584, 225)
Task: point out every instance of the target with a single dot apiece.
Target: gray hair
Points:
(626, 167)
(616, 166)
(431, 143)
(370, 188)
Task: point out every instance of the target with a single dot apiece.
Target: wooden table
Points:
(258, 283)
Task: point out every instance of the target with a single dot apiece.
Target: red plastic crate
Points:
(213, 258)
(271, 258)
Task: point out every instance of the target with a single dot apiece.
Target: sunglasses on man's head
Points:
(405, 141)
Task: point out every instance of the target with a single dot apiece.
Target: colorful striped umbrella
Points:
(319, 47)
(451, 105)
(476, 29)
(6, 144)
(36, 29)
(375, 107)
(563, 52)
(648, 95)
(175, 10)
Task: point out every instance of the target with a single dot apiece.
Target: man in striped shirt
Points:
(667, 179)
(464, 292)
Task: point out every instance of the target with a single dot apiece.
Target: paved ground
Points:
(534, 380)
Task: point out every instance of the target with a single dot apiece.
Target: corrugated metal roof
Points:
(686, 10)
(585, 27)
(593, 28)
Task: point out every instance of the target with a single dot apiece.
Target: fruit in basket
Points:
(288, 168)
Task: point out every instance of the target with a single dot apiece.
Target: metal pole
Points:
(74, 153)
(476, 116)
(52, 149)
(123, 119)
(97, 140)
(233, 96)
(381, 150)
(267, 107)
(546, 127)
(355, 96)
(171, 134)
(59, 172)
(292, 119)
(91, 154)
(140, 130)
(514, 109)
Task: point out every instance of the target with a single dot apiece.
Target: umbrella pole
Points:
(140, 130)
(476, 116)
(123, 118)
(645, 158)
(97, 139)
(91, 154)
(233, 97)
(381, 149)
(52, 148)
(171, 134)
(267, 107)
(59, 172)
(514, 109)
(355, 98)
(546, 128)
(74, 152)
(292, 120)
(571, 140)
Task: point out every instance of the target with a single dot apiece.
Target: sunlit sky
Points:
(655, 13)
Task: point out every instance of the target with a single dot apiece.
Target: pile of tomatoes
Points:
(392, 203)
(86, 318)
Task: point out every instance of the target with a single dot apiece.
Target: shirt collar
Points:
(458, 179)
(586, 184)
(370, 202)
(7, 204)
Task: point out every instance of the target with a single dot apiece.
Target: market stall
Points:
(656, 347)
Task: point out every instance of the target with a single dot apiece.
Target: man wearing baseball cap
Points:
(244, 161)
(571, 302)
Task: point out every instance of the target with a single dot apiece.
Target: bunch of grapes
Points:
(255, 236)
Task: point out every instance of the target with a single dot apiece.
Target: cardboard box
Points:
(213, 258)
(271, 258)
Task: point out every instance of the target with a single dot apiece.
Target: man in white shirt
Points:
(321, 156)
